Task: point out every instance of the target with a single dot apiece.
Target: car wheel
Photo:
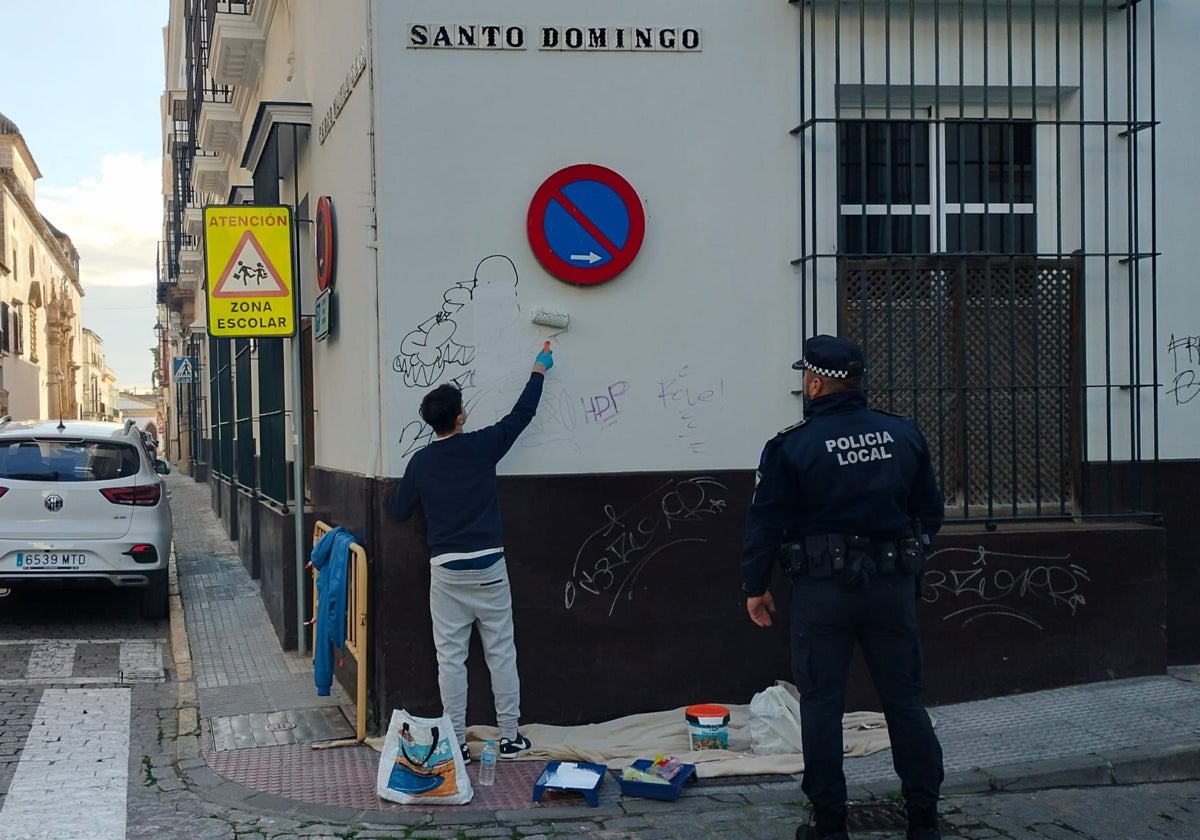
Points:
(154, 597)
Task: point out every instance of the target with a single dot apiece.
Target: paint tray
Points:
(573, 777)
(653, 790)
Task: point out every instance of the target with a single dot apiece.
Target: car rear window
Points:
(66, 460)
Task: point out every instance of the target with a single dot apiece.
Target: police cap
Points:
(832, 356)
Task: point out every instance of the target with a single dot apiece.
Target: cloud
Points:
(115, 220)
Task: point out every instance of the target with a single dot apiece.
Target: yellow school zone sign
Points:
(248, 260)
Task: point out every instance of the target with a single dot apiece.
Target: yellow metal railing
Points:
(356, 622)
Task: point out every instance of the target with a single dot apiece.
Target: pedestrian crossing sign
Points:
(248, 268)
(183, 370)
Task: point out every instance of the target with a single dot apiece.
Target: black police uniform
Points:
(839, 499)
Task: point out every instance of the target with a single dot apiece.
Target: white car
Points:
(82, 504)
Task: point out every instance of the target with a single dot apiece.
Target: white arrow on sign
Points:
(590, 257)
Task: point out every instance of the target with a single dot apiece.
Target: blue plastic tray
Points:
(651, 790)
(590, 794)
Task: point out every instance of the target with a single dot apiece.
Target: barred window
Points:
(968, 331)
(910, 187)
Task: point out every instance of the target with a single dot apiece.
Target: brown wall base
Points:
(277, 570)
(247, 537)
(626, 599)
(225, 505)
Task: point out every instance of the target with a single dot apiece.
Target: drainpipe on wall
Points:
(374, 341)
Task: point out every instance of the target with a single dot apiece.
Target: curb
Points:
(187, 705)
(1176, 760)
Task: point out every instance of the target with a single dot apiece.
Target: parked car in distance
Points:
(83, 504)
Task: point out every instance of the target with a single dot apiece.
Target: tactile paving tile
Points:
(296, 726)
(297, 693)
(345, 776)
(233, 700)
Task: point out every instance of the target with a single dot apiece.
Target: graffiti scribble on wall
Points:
(1185, 358)
(612, 557)
(976, 590)
(444, 347)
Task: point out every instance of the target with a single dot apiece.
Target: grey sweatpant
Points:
(458, 601)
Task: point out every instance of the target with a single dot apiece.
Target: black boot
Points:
(922, 823)
(826, 825)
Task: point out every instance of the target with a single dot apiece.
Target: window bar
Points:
(889, 192)
(837, 81)
(1131, 241)
(1060, 389)
(988, 297)
(1079, 345)
(1014, 394)
(936, 164)
(961, 302)
(1109, 502)
(1135, 262)
(803, 138)
(1156, 478)
(915, 273)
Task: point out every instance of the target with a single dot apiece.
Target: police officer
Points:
(844, 500)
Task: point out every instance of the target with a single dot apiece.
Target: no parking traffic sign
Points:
(586, 224)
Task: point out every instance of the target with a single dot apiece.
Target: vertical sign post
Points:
(249, 254)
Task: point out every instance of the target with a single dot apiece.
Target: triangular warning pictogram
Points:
(184, 372)
(249, 273)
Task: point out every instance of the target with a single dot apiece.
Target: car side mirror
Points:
(162, 467)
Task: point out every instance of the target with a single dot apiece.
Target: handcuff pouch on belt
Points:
(860, 562)
(854, 559)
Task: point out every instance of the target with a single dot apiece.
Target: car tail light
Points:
(3, 490)
(146, 495)
(143, 553)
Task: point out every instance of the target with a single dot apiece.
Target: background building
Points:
(973, 191)
(41, 339)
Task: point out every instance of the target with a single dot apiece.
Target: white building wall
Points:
(329, 42)
(1177, 349)
(696, 338)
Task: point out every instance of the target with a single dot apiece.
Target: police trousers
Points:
(827, 620)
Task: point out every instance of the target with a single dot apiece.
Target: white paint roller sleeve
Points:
(550, 318)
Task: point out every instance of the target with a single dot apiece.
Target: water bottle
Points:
(487, 764)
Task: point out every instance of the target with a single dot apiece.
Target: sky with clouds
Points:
(82, 80)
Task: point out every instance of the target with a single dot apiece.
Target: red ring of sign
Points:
(621, 258)
(326, 243)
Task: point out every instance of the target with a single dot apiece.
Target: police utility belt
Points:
(852, 559)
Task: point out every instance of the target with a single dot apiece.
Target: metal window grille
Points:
(244, 414)
(978, 210)
(272, 421)
(221, 391)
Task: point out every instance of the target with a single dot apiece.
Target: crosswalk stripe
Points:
(140, 661)
(50, 659)
(74, 769)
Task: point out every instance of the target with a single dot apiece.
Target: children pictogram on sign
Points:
(249, 273)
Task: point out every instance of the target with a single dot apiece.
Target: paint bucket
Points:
(708, 726)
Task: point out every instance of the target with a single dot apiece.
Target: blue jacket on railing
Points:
(331, 558)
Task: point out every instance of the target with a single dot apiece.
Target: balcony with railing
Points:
(237, 42)
(218, 125)
(210, 174)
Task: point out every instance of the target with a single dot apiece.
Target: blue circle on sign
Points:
(586, 224)
(570, 240)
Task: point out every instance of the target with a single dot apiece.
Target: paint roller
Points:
(551, 318)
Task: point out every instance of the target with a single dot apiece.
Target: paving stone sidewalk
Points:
(248, 714)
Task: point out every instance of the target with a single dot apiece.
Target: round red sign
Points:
(586, 224)
(326, 243)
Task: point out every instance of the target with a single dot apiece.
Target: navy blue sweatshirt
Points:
(454, 479)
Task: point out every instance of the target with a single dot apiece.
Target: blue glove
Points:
(546, 358)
